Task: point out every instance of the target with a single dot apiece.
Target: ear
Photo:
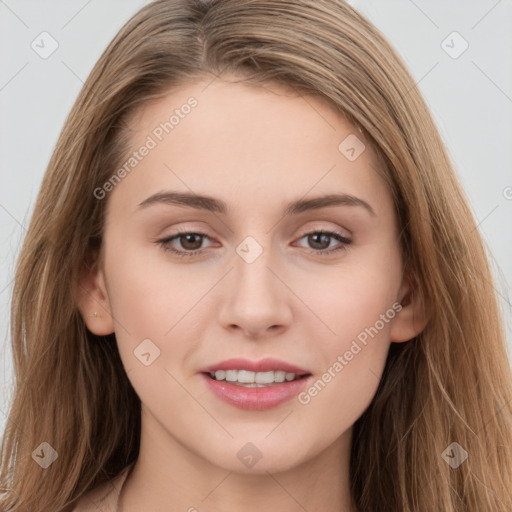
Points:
(412, 318)
(91, 297)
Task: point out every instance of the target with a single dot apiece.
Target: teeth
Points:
(264, 377)
(220, 375)
(231, 375)
(280, 376)
(248, 377)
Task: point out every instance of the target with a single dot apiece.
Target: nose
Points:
(256, 298)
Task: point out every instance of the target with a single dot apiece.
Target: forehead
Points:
(224, 106)
(247, 142)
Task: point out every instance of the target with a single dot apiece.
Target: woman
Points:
(252, 281)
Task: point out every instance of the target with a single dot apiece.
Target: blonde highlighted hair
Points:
(452, 383)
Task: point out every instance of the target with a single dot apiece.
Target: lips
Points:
(265, 396)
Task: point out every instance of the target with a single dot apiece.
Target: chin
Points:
(260, 457)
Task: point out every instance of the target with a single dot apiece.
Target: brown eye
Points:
(319, 241)
(189, 243)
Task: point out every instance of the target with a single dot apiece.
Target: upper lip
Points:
(263, 365)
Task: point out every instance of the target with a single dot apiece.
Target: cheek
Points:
(352, 365)
(356, 307)
(148, 301)
(150, 304)
(147, 294)
(352, 296)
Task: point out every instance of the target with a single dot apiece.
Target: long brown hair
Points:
(450, 384)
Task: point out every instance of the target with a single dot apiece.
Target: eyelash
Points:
(333, 234)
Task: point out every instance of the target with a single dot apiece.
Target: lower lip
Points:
(256, 399)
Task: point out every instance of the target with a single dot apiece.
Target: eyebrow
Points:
(201, 202)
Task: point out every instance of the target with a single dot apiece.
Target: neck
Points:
(179, 477)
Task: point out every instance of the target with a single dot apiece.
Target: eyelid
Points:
(322, 227)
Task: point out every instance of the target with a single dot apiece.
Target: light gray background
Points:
(470, 97)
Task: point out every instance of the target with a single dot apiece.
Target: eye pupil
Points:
(319, 235)
(189, 236)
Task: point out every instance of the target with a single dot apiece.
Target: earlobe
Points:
(413, 317)
(92, 299)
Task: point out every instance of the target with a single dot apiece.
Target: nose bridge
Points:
(252, 273)
(257, 298)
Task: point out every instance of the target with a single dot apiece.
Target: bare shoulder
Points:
(104, 497)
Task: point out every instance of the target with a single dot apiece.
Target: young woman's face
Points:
(255, 280)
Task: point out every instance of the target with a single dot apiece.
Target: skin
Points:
(256, 148)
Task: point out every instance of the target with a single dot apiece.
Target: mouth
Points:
(250, 379)
(255, 385)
